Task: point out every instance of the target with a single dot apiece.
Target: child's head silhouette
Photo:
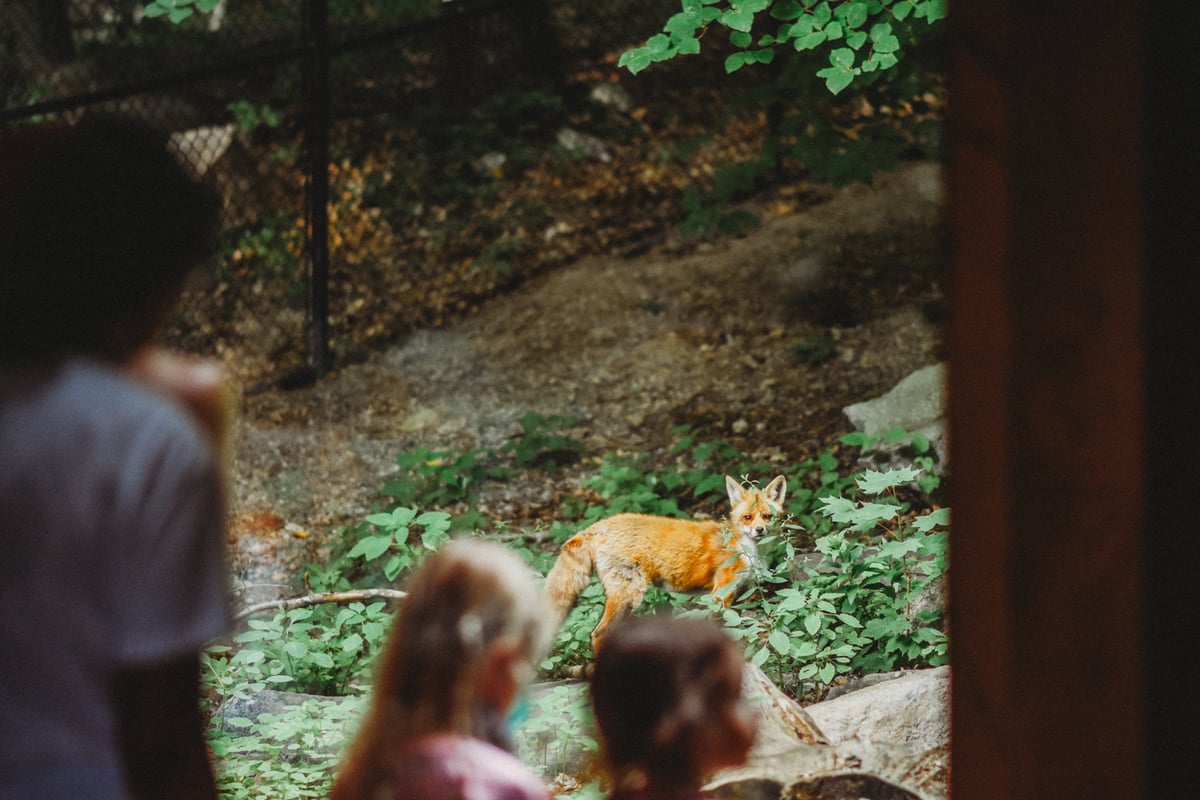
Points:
(99, 224)
(667, 695)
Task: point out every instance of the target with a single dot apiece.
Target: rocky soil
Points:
(718, 335)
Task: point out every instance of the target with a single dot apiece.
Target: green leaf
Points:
(902, 9)
(856, 15)
(932, 10)
(928, 522)
(657, 44)
(812, 623)
(179, 14)
(323, 660)
(398, 518)
(792, 601)
(887, 45)
(809, 41)
(738, 19)
(786, 9)
(434, 519)
(634, 60)
(371, 547)
(842, 57)
(295, 649)
(827, 673)
(878, 31)
(736, 61)
(857, 39)
(899, 549)
(740, 39)
(873, 482)
(760, 657)
(780, 641)
(684, 24)
(833, 31)
(798, 28)
(887, 61)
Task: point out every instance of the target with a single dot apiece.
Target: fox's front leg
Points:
(728, 577)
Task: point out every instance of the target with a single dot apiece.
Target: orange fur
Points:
(631, 552)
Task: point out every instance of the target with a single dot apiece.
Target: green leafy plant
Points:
(439, 479)
(813, 350)
(542, 444)
(178, 10)
(916, 445)
(560, 722)
(249, 117)
(393, 537)
(290, 754)
(319, 649)
(860, 37)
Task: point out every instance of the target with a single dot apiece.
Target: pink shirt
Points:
(450, 767)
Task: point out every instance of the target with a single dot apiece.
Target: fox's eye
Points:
(766, 517)
(747, 517)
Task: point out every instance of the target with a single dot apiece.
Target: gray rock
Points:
(911, 708)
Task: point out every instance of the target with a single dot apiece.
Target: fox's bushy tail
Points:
(570, 574)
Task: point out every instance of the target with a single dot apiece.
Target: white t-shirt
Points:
(111, 556)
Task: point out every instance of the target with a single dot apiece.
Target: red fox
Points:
(629, 552)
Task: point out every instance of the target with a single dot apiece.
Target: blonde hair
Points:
(467, 598)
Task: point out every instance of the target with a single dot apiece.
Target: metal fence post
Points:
(317, 120)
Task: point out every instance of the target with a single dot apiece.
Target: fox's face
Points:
(754, 509)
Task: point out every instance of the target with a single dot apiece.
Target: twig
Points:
(315, 598)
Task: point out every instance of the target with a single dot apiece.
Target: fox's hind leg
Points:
(624, 588)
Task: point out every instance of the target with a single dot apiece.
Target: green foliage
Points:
(573, 643)
(541, 443)
(708, 212)
(287, 755)
(441, 478)
(813, 350)
(393, 537)
(320, 649)
(859, 37)
(917, 447)
(178, 10)
(268, 249)
(250, 117)
(560, 723)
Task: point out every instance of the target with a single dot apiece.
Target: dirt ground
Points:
(711, 334)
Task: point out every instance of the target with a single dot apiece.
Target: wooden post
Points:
(1047, 376)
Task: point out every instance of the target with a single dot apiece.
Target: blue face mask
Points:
(518, 712)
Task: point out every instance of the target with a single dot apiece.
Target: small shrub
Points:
(541, 443)
(442, 478)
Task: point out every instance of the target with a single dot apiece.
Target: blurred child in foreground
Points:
(466, 640)
(112, 511)
(667, 696)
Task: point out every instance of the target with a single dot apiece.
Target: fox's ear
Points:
(776, 490)
(735, 490)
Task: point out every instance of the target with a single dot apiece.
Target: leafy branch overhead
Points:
(861, 36)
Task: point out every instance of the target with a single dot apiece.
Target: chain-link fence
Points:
(397, 99)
